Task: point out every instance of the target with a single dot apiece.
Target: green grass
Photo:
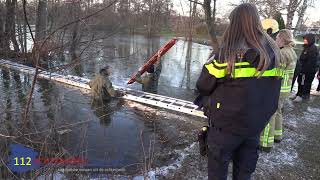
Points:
(167, 33)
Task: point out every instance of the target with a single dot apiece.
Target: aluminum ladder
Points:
(156, 100)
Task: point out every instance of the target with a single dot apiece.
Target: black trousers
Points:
(304, 84)
(225, 147)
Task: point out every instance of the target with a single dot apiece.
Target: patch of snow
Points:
(55, 176)
(165, 170)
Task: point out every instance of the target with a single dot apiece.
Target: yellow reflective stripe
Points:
(278, 132)
(285, 88)
(252, 72)
(265, 135)
(241, 72)
(218, 73)
(220, 64)
(226, 64)
(265, 139)
(270, 140)
(290, 71)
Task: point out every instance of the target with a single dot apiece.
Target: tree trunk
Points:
(6, 39)
(2, 23)
(150, 19)
(210, 18)
(9, 32)
(290, 16)
(301, 13)
(20, 35)
(25, 36)
(13, 26)
(291, 9)
(75, 39)
(41, 22)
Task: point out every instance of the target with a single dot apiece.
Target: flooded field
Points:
(145, 141)
(121, 134)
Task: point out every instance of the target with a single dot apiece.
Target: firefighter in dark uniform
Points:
(242, 83)
(150, 80)
(101, 87)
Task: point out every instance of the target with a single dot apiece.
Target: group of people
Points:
(102, 89)
(243, 88)
(304, 69)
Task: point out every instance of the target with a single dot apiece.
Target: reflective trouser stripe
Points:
(265, 139)
(286, 85)
(285, 89)
(278, 132)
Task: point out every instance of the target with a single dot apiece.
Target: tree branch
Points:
(37, 50)
(196, 2)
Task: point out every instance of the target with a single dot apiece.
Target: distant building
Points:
(313, 30)
(308, 30)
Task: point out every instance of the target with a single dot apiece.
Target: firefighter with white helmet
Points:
(271, 26)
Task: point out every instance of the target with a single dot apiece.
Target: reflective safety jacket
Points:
(289, 59)
(241, 103)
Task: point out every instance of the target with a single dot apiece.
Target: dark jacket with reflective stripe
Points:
(240, 105)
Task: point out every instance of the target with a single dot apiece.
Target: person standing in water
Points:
(150, 80)
(101, 86)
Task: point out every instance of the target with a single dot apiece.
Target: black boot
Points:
(277, 140)
(265, 149)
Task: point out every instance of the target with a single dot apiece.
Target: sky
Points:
(224, 7)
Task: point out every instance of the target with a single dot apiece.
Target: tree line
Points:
(42, 18)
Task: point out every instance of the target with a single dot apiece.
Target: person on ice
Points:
(273, 131)
(150, 80)
(307, 68)
(101, 86)
(243, 84)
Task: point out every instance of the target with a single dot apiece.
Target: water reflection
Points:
(47, 96)
(187, 73)
(6, 78)
(125, 54)
(112, 133)
(104, 110)
(19, 87)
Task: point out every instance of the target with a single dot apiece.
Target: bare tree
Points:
(209, 8)
(291, 9)
(267, 8)
(301, 13)
(41, 24)
(2, 23)
(10, 26)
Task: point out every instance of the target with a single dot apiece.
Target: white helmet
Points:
(270, 23)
